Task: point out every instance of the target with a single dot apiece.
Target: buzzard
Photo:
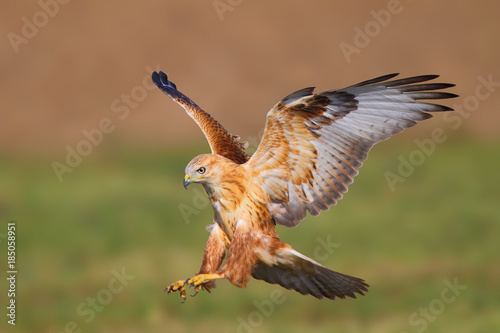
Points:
(312, 147)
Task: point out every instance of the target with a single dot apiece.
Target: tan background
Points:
(65, 78)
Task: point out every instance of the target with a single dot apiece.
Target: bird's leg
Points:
(241, 257)
(214, 254)
(201, 280)
(212, 259)
(196, 281)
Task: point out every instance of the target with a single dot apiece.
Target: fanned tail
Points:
(295, 271)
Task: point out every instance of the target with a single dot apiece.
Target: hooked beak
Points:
(187, 181)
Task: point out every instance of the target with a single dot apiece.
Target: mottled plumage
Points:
(313, 146)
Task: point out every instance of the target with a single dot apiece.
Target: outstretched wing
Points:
(314, 144)
(220, 140)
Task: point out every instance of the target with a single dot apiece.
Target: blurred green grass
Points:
(121, 210)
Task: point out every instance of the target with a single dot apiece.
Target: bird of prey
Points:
(312, 147)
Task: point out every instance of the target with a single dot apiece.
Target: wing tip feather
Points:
(160, 79)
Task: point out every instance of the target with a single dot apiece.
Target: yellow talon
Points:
(196, 281)
(178, 286)
(199, 279)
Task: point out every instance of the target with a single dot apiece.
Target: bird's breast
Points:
(253, 212)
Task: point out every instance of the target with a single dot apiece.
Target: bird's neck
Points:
(229, 197)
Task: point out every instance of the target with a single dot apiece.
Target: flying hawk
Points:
(312, 147)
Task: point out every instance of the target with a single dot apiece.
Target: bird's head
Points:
(205, 169)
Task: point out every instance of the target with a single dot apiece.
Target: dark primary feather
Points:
(161, 81)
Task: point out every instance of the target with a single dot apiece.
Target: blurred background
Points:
(92, 159)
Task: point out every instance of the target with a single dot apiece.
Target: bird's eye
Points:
(201, 170)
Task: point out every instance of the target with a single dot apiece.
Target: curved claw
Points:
(170, 289)
(196, 290)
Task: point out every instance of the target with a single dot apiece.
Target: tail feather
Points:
(295, 271)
